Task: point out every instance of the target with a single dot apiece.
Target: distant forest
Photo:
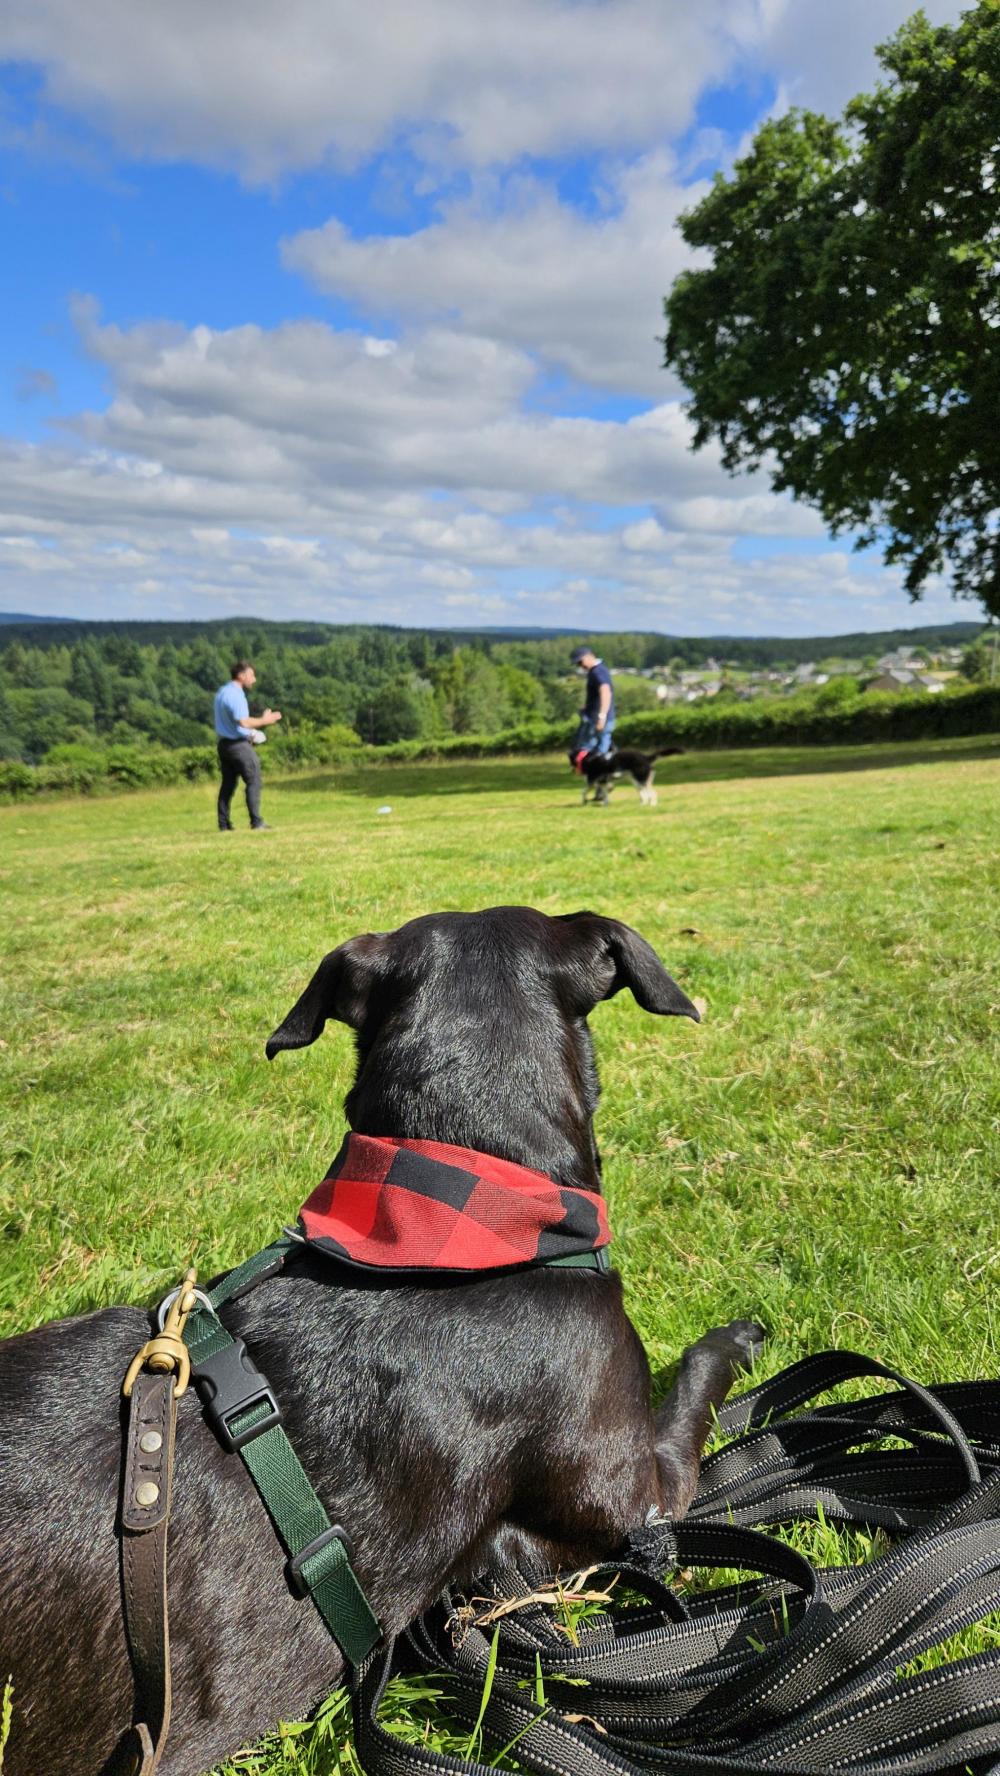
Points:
(65, 683)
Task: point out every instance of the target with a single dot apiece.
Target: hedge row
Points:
(793, 721)
(84, 770)
(815, 721)
(807, 720)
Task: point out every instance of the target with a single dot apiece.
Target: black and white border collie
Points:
(600, 772)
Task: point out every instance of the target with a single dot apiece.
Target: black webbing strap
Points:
(794, 1670)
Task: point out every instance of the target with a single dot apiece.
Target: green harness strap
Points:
(597, 1260)
(245, 1414)
(242, 1409)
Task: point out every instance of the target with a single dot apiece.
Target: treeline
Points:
(627, 647)
(151, 684)
(806, 720)
(115, 689)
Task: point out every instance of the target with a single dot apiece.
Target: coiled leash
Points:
(796, 1671)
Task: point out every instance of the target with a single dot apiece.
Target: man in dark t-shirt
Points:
(597, 717)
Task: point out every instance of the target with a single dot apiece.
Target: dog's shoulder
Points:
(600, 764)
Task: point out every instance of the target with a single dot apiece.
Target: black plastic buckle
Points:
(296, 1577)
(229, 1383)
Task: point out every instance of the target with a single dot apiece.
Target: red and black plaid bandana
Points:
(424, 1205)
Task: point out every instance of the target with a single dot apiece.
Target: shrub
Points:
(338, 738)
(73, 769)
(306, 744)
(77, 752)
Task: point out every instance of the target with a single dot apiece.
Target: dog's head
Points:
(471, 1028)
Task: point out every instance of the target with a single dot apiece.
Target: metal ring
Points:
(168, 1301)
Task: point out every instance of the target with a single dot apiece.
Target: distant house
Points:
(804, 677)
(903, 678)
(893, 678)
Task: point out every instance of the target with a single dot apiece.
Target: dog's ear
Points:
(606, 956)
(339, 989)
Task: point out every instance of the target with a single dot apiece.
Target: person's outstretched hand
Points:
(271, 715)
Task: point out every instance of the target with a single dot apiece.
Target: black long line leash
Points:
(797, 1670)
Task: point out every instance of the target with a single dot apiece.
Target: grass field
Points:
(822, 1153)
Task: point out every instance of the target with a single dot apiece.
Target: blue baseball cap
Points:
(578, 653)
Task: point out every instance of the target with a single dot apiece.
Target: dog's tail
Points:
(667, 752)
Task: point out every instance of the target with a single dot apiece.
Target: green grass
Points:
(821, 1153)
(6, 1717)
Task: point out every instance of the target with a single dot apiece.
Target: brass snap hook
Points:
(167, 1351)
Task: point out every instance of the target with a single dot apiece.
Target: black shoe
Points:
(225, 829)
(261, 826)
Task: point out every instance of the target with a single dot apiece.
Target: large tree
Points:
(845, 333)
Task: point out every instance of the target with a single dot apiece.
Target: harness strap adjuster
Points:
(299, 1580)
(231, 1386)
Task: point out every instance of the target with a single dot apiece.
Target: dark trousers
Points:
(238, 758)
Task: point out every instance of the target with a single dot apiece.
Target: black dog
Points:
(601, 770)
(444, 1427)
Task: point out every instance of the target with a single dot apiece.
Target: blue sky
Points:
(314, 313)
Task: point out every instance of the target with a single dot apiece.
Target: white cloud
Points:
(302, 417)
(582, 289)
(735, 513)
(285, 548)
(584, 292)
(251, 470)
(647, 537)
(822, 54)
(266, 90)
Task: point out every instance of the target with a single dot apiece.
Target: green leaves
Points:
(848, 326)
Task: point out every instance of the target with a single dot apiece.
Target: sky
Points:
(349, 313)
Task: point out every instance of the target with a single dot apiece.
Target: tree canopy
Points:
(846, 333)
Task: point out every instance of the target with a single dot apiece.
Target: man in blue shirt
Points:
(597, 717)
(238, 739)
